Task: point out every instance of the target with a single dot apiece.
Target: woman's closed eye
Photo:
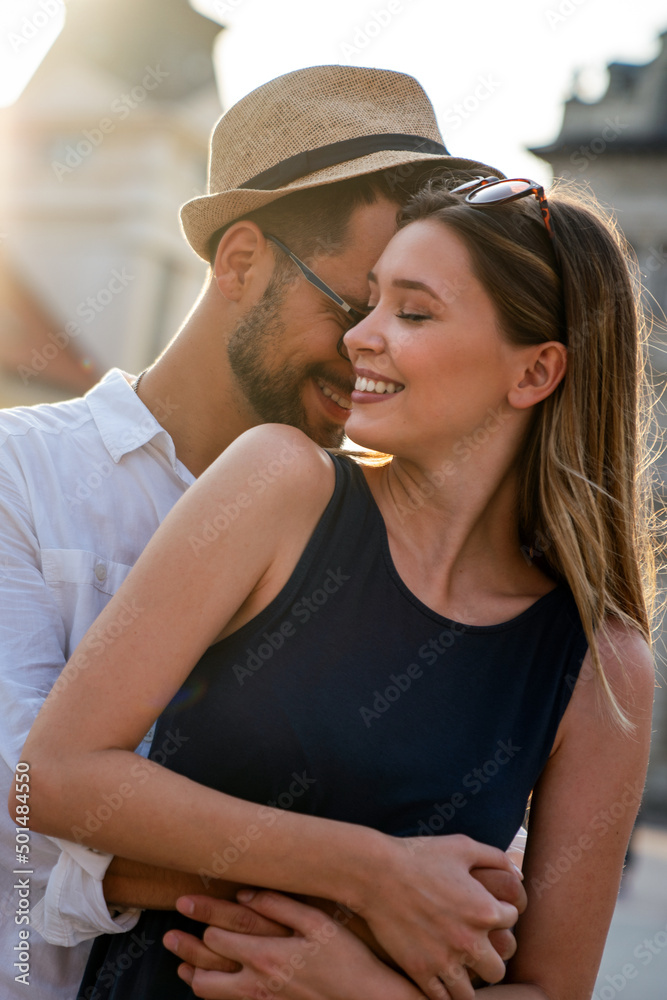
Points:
(413, 317)
(408, 316)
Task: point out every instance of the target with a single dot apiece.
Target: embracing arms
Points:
(424, 906)
(583, 812)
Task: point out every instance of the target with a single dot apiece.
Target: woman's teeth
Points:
(369, 385)
(341, 400)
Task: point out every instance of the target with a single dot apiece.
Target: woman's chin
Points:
(363, 433)
(370, 442)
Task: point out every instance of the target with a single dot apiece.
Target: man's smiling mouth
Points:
(343, 401)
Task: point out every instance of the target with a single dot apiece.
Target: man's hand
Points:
(300, 951)
(507, 887)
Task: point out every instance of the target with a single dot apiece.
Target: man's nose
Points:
(341, 349)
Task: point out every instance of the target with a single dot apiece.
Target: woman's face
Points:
(433, 347)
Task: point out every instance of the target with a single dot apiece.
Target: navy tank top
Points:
(348, 698)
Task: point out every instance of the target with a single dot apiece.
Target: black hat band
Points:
(311, 160)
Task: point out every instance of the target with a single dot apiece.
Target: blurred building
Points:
(105, 143)
(618, 146)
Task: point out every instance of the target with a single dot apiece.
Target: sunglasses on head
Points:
(482, 191)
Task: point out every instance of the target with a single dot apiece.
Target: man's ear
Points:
(243, 256)
(543, 372)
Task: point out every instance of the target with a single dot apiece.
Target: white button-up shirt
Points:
(83, 486)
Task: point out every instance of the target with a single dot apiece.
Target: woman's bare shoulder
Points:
(628, 667)
(627, 663)
(274, 463)
(270, 439)
(626, 656)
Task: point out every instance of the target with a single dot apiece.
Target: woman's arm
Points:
(203, 575)
(582, 815)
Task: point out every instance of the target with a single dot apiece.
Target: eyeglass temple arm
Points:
(546, 215)
(311, 276)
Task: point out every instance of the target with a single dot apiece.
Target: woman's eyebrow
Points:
(361, 305)
(407, 283)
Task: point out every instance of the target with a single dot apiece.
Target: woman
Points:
(407, 639)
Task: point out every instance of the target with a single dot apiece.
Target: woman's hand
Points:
(308, 957)
(223, 914)
(433, 916)
(456, 867)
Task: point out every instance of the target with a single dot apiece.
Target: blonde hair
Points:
(585, 494)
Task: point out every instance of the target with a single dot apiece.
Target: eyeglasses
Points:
(491, 191)
(355, 315)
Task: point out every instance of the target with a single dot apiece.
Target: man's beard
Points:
(275, 393)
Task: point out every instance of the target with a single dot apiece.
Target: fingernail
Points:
(245, 895)
(170, 941)
(518, 871)
(186, 973)
(186, 906)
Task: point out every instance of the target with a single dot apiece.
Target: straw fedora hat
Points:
(308, 128)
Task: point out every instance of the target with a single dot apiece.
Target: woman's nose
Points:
(362, 336)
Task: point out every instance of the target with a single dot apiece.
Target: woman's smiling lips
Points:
(372, 388)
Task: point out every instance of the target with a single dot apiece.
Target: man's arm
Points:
(33, 639)
(32, 633)
(131, 883)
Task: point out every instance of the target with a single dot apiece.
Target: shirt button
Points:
(101, 572)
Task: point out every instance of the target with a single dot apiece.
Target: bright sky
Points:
(497, 72)
(519, 56)
(28, 29)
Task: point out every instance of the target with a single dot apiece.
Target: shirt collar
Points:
(123, 421)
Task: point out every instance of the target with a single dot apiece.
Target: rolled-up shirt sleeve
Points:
(73, 907)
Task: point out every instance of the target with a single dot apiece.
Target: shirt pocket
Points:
(61, 567)
(81, 583)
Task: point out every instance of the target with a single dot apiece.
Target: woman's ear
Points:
(242, 254)
(544, 371)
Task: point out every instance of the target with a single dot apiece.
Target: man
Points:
(312, 164)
